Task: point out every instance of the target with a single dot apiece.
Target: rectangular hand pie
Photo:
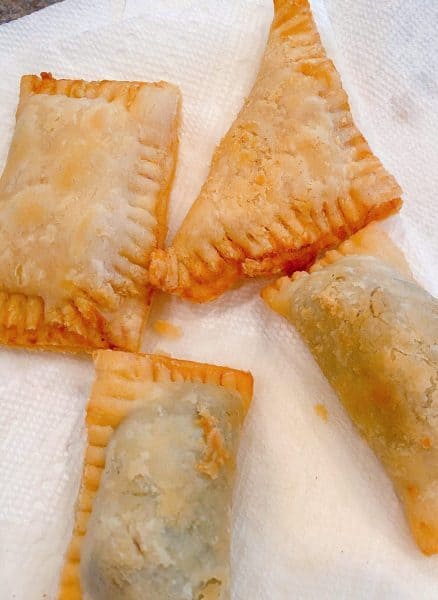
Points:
(292, 176)
(374, 333)
(83, 201)
(153, 513)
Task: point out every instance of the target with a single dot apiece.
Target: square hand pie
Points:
(83, 201)
(374, 332)
(292, 176)
(153, 513)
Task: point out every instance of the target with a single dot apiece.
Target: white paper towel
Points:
(55, 22)
(315, 516)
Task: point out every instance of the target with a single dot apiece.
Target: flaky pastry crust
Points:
(372, 240)
(374, 333)
(83, 202)
(122, 381)
(292, 176)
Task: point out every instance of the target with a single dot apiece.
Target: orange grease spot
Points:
(321, 411)
(167, 329)
(413, 491)
(426, 443)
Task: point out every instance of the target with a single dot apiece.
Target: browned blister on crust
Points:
(83, 202)
(292, 176)
(172, 398)
(374, 333)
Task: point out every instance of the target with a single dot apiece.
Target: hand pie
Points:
(291, 177)
(374, 333)
(83, 202)
(153, 512)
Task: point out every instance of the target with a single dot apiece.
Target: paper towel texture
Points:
(314, 515)
(55, 22)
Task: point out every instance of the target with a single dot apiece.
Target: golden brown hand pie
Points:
(83, 201)
(291, 177)
(374, 333)
(153, 513)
